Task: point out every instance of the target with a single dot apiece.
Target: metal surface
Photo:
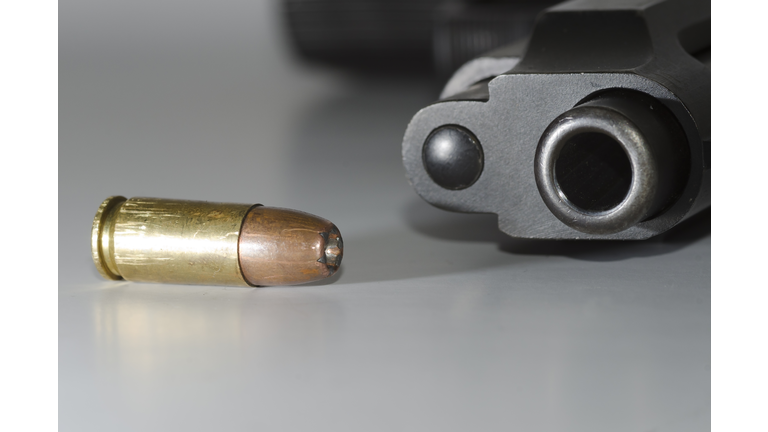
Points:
(642, 46)
(169, 241)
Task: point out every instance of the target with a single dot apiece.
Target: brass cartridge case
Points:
(206, 243)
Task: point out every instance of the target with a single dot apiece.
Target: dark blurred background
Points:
(419, 36)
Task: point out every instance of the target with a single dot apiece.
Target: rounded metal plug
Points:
(453, 157)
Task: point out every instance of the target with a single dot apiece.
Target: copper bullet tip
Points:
(285, 247)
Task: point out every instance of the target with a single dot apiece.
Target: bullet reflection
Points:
(147, 334)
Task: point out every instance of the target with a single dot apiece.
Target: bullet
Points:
(207, 243)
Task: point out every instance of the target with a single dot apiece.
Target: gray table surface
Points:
(436, 321)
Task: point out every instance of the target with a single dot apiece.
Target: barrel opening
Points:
(593, 172)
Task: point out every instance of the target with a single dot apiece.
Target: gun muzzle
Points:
(611, 162)
(598, 126)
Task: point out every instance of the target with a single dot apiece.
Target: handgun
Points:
(586, 119)
(596, 126)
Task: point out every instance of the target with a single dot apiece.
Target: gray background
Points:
(436, 320)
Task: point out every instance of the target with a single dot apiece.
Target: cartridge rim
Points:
(100, 228)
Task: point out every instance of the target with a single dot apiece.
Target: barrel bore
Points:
(593, 171)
